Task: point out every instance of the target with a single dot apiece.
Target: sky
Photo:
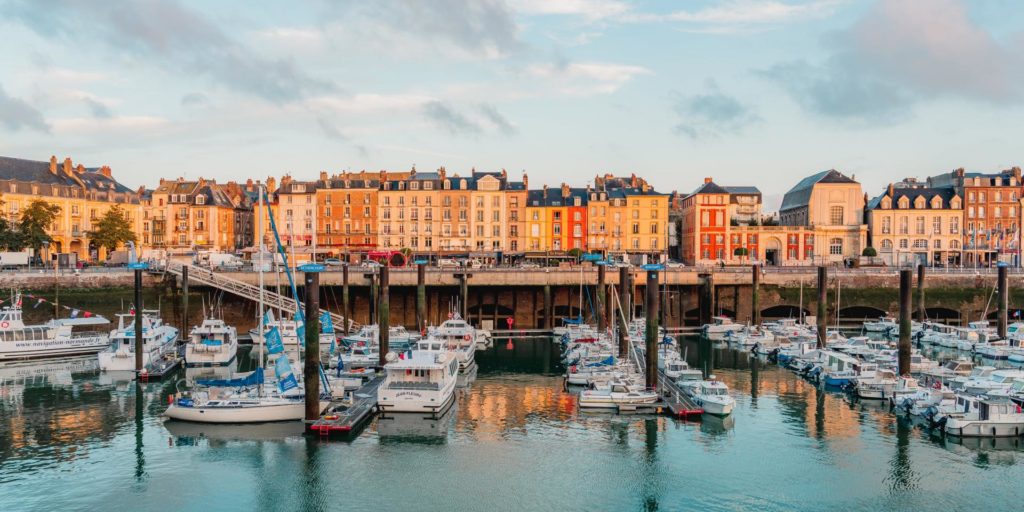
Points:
(749, 92)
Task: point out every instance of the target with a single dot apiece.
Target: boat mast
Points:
(839, 292)
(800, 314)
(259, 230)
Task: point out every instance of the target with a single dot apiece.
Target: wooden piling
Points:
(920, 293)
(184, 301)
(549, 322)
(138, 321)
(704, 300)
(622, 319)
(346, 309)
(374, 297)
(822, 305)
(311, 368)
(384, 316)
(755, 294)
(601, 298)
(652, 307)
(1003, 289)
(903, 347)
(421, 297)
(464, 295)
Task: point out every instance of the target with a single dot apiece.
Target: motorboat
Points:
(399, 338)
(994, 417)
(883, 324)
(57, 338)
(359, 355)
(997, 380)
(212, 343)
(615, 394)
(720, 327)
(880, 386)
(979, 373)
(419, 381)
(158, 340)
(750, 336)
(952, 369)
(711, 394)
(461, 337)
(676, 368)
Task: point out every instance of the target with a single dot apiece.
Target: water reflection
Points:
(416, 428)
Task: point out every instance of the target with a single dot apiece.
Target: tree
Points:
(35, 220)
(741, 252)
(869, 252)
(112, 230)
(575, 253)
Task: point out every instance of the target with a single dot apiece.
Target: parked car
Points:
(674, 264)
(333, 262)
(447, 263)
(527, 264)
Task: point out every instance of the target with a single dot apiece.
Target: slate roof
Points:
(742, 190)
(946, 193)
(25, 173)
(554, 197)
(800, 195)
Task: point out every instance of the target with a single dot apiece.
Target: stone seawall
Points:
(40, 281)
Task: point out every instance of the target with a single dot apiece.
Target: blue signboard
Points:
(653, 267)
(311, 267)
(138, 266)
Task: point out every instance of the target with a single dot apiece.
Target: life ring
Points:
(466, 337)
(5, 324)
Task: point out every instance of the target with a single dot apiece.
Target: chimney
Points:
(67, 166)
(891, 189)
(707, 180)
(323, 175)
(248, 184)
(412, 172)
(526, 182)
(105, 170)
(544, 193)
(565, 191)
(161, 182)
(53, 164)
(443, 172)
(504, 175)
(383, 176)
(632, 180)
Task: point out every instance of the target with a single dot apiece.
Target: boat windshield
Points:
(715, 391)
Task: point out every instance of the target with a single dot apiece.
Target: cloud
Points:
(444, 116)
(712, 114)
(588, 9)
(480, 28)
(97, 107)
(194, 99)
(169, 35)
(491, 114)
(16, 114)
(585, 78)
(900, 53)
(122, 125)
(733, 16)
(330, 129)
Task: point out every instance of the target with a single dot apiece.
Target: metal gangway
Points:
(271, 299)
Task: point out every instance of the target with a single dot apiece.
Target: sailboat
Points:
(247, 399)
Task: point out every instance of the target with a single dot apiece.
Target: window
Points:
(954, 244)
(920, 225)
(937, 226)
(903, 243)
(886, 225)
(920, 243)
(887, 244)
(835, 246)
(954, 225)
(835, 215)
(937, 244)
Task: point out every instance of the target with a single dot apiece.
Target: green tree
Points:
(35, 221)
(741, 252)
(10, 239)
(575, 253)
(869, 252)
(112, 230)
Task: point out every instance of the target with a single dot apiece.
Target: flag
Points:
(326, 324)
(401, 355)
(74, 313)
(273, 340)
(300, 332)
(268, 317)
(298, 315)
(87, 314)
(285, 377)
(131, 309)
(40, 301)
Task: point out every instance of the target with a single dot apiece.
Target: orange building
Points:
(346, 212)
(557, 220)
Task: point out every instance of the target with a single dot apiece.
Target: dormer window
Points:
(886, 203)
(936, 203)
(200, 199)
(462, 184)
(904, 203)
(414, 185)
(919, 203)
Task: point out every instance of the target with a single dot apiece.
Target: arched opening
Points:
(773, 251)
(782, 311)
(944, 315)
(861, 313)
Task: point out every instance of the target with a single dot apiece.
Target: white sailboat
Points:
(247, 399)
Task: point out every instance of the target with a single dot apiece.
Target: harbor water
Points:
(73, 439)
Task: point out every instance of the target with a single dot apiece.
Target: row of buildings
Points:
(953, 219)
(957, 218)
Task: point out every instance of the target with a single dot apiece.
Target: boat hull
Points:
(285, 411)
(967, 428)
(42, 349)
(415, 404)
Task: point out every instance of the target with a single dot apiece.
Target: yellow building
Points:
(917, 225)
(833, 205)
(84, 195)
(184, 216)
(627, 217)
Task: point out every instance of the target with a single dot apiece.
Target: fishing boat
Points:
(57, 338)
(617, 393)
(720, 327)
(421, 380)
(994, 417)
(212, 343)
(158, 340)
(711, 394)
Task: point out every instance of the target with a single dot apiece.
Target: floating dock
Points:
(353, 418)
(677, 402)
(162, 368)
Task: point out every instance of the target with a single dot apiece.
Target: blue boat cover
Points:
(252, 379)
